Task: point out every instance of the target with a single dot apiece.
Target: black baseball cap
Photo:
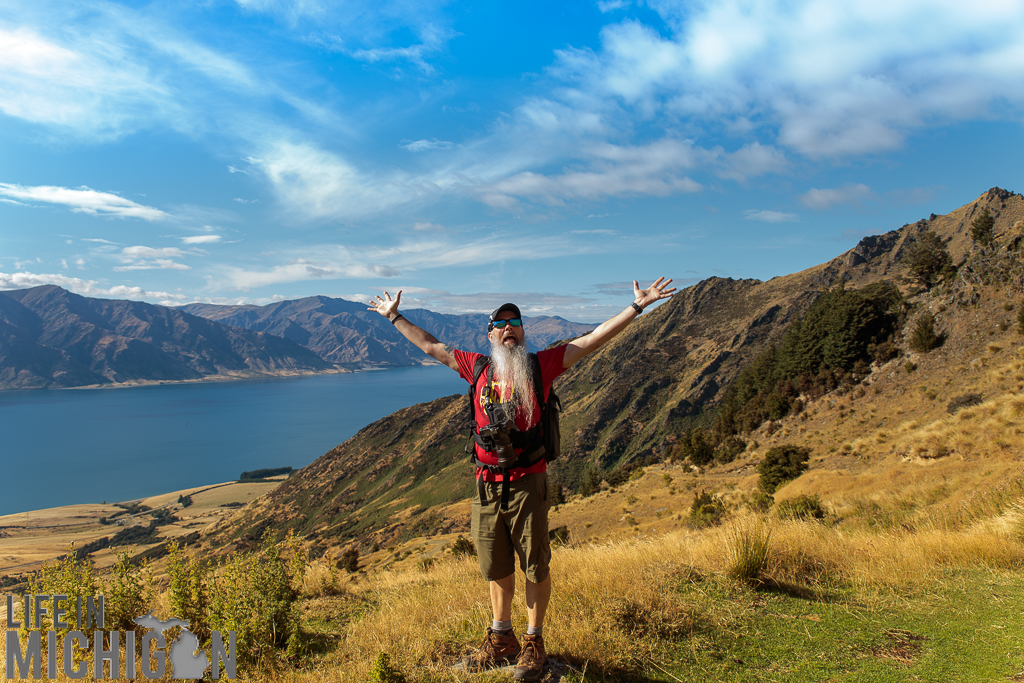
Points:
(501, 309)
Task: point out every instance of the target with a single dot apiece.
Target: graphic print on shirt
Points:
(500, 390)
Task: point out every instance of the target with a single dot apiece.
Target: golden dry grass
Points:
(616, 604)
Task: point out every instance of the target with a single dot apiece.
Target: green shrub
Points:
(349, 561)
(188, 592)
(384, 672)
(981, 228)
(760, 501)
(801, 507)
(127, 596)
(252, 596)
(462, 547)
(782, 464)
(591, 483)
(729, 449)
(67, 575)
(923, 338)
(927, 258)
(707, 509)
(696, 446)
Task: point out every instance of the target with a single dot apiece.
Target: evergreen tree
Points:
(981, 228)
(927, 258)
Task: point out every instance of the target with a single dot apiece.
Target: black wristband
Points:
(396, 318)
(636, 307)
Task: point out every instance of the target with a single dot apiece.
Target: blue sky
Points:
(472, 153)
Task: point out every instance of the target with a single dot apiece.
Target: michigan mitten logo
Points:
(43, 636)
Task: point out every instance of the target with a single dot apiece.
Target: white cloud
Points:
(78, 286)
(201, 239)
(827, 198)
(154, 264)
(767, 216)
(319, 184)
(152, 252)
(427, 227)
(427, 145)
(611, 5)
(825, 79)
(151, 258)
(84, 200)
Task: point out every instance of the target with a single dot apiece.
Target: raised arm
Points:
(423, 340)
(579, 348)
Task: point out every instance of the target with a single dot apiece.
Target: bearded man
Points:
(510, 506)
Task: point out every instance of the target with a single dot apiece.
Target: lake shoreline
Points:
(220, 378)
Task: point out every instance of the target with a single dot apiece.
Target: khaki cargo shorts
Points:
(521, 530)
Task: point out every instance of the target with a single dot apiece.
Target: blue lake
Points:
(90, 445)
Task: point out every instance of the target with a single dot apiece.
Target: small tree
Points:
(923, 339)
(981, 228)
(707, 509)
(782, 464)
(349, 561)
(696, 445)
(927, 258)
(591, 483)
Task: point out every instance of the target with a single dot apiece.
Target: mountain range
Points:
(52, 338)
(346, 334)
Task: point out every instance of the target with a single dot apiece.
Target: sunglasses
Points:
(514, 322)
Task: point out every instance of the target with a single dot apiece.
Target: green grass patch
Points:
(964, 627)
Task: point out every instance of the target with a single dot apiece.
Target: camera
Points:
(498, 433)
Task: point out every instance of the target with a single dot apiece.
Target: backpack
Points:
(543, 439)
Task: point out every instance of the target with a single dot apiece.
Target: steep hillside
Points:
(633, 399)
(51, 338)
(346, 334)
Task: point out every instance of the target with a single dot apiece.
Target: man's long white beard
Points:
(512, 365)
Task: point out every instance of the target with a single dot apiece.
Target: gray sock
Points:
(535, 631)
(501, 626)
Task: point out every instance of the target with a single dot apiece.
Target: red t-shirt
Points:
(550, 368)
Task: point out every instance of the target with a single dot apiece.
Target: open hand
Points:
(656, 292)
(386, 306)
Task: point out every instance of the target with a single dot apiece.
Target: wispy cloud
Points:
(321, 184)
(201, 239)
(654, 169)
(151, 258)
(766, 216)
(427, 145)
(829, 197)
(84, 200)
(331, 262)
(612, 5)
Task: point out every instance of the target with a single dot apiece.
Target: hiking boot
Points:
(532, 660)
(498, 649)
